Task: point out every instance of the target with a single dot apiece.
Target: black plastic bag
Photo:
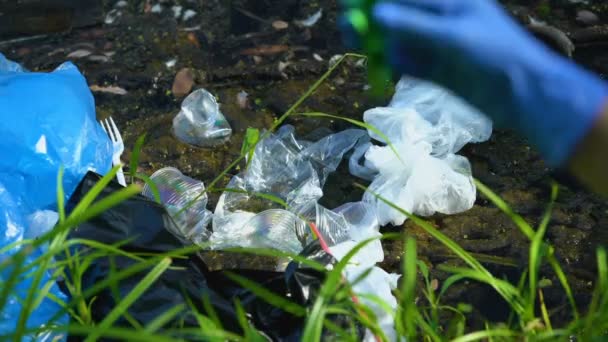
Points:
(144, 224)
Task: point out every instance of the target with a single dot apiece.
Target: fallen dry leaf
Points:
(279, 25)
(111, 89)
(183, 82)
(193, 40)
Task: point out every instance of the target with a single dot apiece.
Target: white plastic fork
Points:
(118, 146)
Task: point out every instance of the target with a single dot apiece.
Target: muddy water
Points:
(235, 49)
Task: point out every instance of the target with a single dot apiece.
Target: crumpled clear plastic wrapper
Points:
(200, 121)
(292, 171)
(426, 125)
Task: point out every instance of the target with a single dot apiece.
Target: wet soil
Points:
(232, 46)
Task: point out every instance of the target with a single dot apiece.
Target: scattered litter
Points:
(177, 11)
(317, 57)
(171, 63)
(183, 82)
(292, 171)
(242, 99)
(427, 126)
(80, 53)
(334, 59)
(200, 121)
(121, 4)
(157, 8)
(312, 20)
(361, 63)
(188, 14)
(279, 25)
(112, 16)
(141, 226)
(181, 196)
(109, 89)
(282, 66)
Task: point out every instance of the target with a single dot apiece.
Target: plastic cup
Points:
(185, 201)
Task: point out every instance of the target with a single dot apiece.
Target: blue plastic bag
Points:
(47, 120)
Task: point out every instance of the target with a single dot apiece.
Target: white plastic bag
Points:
(421, 174)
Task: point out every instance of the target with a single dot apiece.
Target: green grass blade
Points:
(543, 309)
(408, 290)
(536, 253)
(90, 197)
(139, 143)
(103, 205)
(150, 183)
(480, 272)
(159, 321)
(486, 334)
(519, 221)
(314, 323)
(60, 195)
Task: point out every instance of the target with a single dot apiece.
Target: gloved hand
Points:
(473, 48)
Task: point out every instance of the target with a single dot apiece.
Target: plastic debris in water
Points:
(200, 121)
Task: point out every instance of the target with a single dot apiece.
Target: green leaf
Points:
(139, 143)
(408, 289)
(252, 136)
(159, 321)
(150, 183)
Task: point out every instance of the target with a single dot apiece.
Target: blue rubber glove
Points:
(473, 48)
